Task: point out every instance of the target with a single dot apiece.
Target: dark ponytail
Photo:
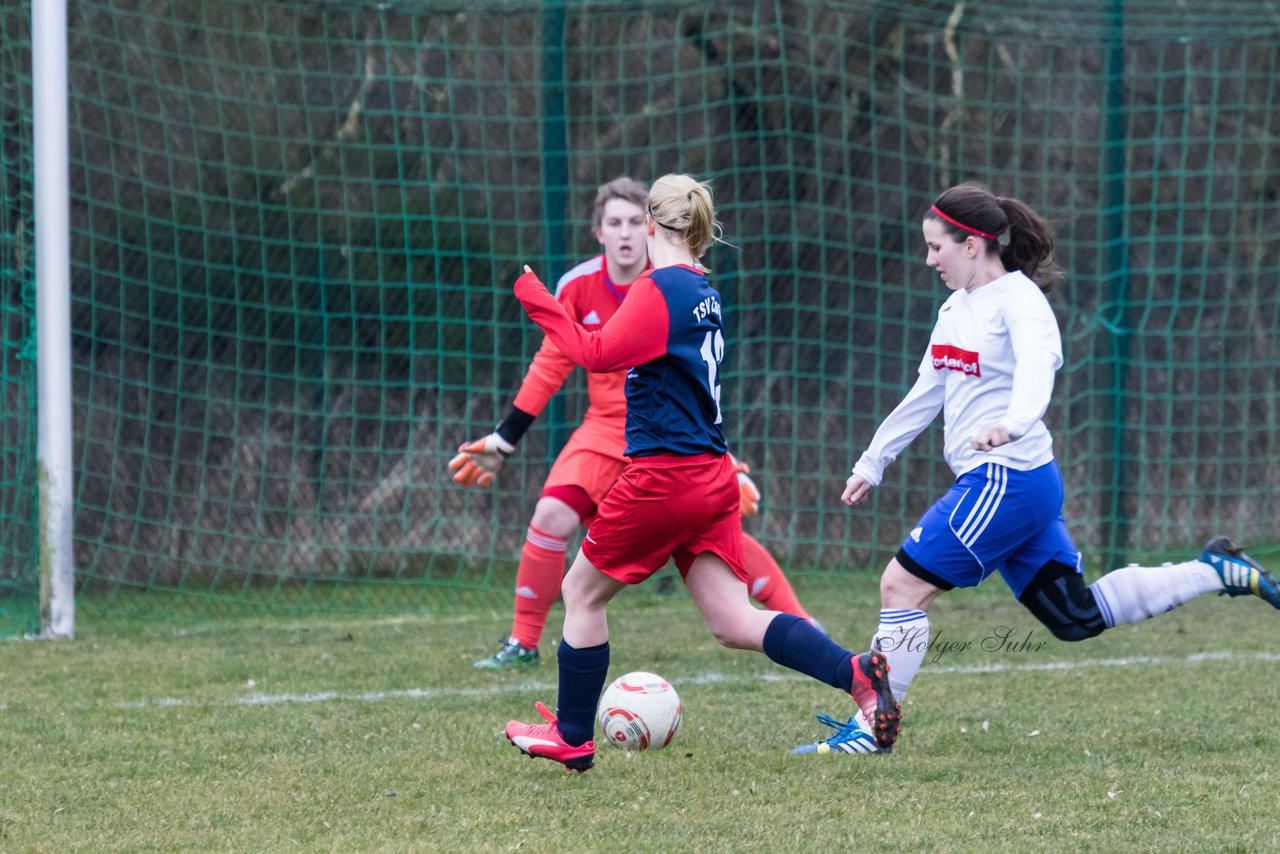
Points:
(1007, 226)
(1030, 246)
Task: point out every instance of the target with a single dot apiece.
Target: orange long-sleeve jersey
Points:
(590, 298)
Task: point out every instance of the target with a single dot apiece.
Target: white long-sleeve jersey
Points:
(991, 360)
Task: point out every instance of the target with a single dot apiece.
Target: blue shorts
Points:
(993, 518)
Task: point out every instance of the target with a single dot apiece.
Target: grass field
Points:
(377, 735)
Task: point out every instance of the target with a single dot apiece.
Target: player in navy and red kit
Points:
(593, 458)
(989, 369)
(678, 496)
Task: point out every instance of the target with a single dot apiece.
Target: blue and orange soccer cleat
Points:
(1240, 574)
(543, 741)
(850, 737)
(874, 697)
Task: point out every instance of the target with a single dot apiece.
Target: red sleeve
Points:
(549, 369)
(636, 334)
(547, 373)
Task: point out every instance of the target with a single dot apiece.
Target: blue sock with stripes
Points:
(795, 643)
(582, 675)
(903, 637)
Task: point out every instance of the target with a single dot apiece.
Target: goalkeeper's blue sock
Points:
(795, 643)
(582, 676)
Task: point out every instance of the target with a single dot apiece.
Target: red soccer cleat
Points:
(873, 695)
(544, 741)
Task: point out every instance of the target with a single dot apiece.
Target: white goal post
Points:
(53, 317)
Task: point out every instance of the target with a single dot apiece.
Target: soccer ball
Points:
(639, 711)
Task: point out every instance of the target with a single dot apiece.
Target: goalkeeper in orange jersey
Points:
(592, 459)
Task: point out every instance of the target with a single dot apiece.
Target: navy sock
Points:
(795, 643)
(582, 675)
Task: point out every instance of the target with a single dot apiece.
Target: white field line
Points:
(701, 679)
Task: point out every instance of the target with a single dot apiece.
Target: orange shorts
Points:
(582, 464)
(667, 507)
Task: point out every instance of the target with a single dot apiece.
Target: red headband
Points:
(969, 229)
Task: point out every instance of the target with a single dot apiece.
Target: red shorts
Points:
(585, 468)
(667, 507)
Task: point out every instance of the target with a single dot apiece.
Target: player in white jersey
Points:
(989, 368)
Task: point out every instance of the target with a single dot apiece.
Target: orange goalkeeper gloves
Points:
(748, 492)
(477, 462)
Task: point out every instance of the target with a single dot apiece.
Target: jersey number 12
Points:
(712, 352)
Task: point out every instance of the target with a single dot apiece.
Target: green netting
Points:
(19, 542)
(295, 225)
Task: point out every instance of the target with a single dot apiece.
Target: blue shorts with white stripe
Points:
(993, 519)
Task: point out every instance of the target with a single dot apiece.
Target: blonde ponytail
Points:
(680, 203)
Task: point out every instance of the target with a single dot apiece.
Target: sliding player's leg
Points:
(1059, 599)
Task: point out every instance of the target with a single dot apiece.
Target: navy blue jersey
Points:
(669, 334)
(673, 402)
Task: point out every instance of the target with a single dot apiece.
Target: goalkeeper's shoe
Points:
(850, 737)
(1241, 575)
(874, 697)
(543, 741)
(511, 656)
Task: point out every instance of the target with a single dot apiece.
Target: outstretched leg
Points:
(792, 642)
(1058, 597)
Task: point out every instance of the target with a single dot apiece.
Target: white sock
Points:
(1134, 593)
(903, 637)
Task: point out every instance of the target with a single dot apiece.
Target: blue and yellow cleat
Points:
(1240, 574)
(850, 737)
